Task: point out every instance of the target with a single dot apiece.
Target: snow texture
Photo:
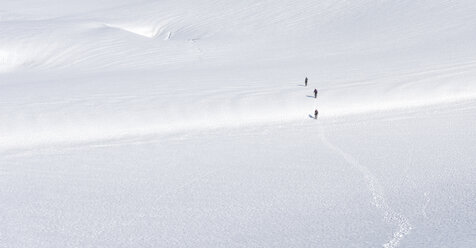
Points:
(174, 123)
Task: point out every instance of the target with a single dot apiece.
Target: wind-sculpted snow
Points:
(411, 59)
(131, 72)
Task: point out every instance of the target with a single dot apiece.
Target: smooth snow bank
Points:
(69, 110)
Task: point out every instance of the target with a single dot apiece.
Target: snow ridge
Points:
(378, 197)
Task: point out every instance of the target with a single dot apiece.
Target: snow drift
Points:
(362, 55)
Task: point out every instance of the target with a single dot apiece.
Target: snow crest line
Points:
(378, 198)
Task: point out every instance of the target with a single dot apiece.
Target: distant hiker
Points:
(315, 93)
(315, 114)
(305, 82)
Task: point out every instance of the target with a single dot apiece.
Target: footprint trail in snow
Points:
(378, 198)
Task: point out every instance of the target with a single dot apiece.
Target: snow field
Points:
(140, 123)
(298, 185)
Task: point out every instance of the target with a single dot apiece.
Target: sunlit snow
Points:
(179, 123)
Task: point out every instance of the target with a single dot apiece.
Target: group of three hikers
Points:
(315, 96)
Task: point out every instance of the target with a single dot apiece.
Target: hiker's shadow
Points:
(311, 116)
(310, 96)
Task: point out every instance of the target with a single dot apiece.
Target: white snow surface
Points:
(179, 123)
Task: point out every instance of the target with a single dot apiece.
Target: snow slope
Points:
(185, 123)
(210, 63)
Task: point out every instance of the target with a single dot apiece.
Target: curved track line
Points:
(378, 198)
(426, 205)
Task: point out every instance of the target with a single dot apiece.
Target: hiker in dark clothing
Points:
(305, 82)
(315, 114)
(315, 93)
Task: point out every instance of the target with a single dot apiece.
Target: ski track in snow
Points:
(427, 202)
(378, 198)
